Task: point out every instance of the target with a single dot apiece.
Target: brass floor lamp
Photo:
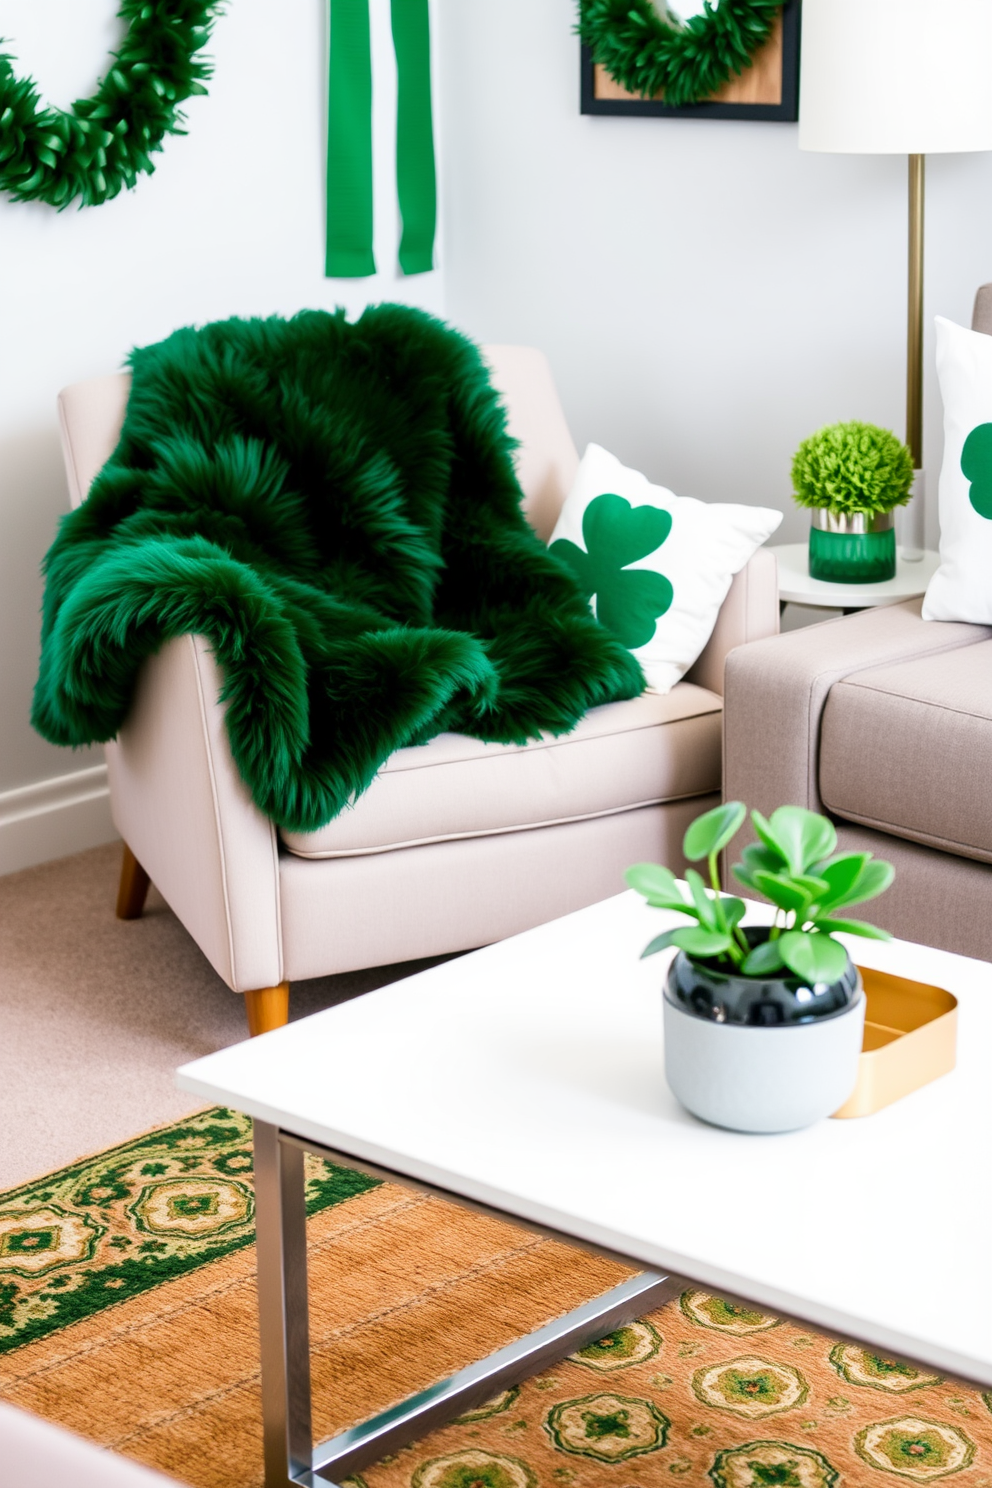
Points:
(906, 77)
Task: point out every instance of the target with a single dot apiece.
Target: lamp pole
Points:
(914, 347)
(912, 522)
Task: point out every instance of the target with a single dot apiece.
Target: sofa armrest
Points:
(776, 691)
(749, 613)
(180, 805)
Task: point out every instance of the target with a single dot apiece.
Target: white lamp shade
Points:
(907, 77)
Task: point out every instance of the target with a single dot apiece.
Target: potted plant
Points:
(763, 1024)
(852, 476)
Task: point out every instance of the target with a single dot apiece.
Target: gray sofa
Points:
(884, 721)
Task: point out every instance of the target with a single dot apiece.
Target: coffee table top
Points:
(529, 1075)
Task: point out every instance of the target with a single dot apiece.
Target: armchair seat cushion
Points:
(905, 748)
(619, 757)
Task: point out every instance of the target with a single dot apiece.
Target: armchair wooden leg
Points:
(133, 888)
(267, 1008)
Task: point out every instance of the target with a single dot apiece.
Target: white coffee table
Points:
(796, 587)
(527, 1078)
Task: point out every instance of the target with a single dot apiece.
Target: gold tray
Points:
(910, 1039)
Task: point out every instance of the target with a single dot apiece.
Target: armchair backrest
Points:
(981, 319)
(91, 414)
(547, 458)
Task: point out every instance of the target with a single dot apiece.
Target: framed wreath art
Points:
(91, 151)
(732, 59)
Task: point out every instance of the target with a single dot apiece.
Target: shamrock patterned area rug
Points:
(114, 1225)
(127, 1313)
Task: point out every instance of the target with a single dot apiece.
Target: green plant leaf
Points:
(758, 858)
(703, 902)
(660, 943)
(804, 836)
(756, 855)
(656, 883)
(697, 942)
(814, 886)
(764, 959)
(712, 831)
(678, 906)
(781, 890)
(814, 957)
(840, 874)
(873, 880)
(764, 829)
(734, 909)
(851, 927)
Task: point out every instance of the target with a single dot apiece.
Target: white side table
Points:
(796, 587)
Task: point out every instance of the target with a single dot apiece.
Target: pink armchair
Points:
(456, 843)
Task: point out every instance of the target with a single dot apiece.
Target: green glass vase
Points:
(856, 548)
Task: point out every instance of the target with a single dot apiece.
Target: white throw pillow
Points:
(961, 589)
(663, 562)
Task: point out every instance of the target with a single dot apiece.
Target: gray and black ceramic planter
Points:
(761, 1054)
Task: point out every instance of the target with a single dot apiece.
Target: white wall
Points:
(707, 294)
(231, 223)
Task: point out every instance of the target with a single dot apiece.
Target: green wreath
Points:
(649, 53)
(104, 143)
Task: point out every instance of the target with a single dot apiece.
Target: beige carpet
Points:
(96, 1013)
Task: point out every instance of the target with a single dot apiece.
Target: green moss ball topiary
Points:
(851, 468)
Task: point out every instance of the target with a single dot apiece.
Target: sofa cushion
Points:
(621, 756)
(906, 748)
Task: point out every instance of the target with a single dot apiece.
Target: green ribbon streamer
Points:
(349, 139)
(349, 143)
(415, 180)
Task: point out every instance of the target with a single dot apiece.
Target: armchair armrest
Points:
(180, 805)
(749, 613)
(36, 1453)
(776, 692)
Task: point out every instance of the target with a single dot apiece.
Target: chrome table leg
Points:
(291, 1461)
(283, 1311)
(412, 1418)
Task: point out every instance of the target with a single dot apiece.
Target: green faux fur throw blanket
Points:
(333, 505)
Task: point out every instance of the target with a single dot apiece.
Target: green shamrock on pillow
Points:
(976, 467)
(628, 602)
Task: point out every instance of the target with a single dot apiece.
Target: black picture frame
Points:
(786, 112)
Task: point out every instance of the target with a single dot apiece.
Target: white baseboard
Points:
(54, 818)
